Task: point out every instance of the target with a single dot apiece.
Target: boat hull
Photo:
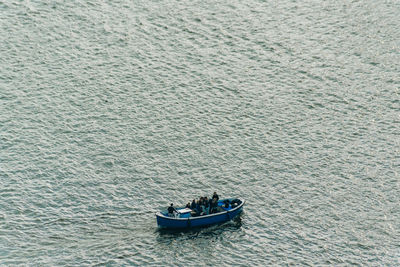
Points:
(200, 221)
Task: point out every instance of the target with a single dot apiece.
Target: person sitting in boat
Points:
(226, 205)
(188, 205)
(206, 205)
(193, 206)
(215, 195)
(171, 210)
(202, 206)
(213, 205)
(197, 208)
(210, 202)
(202, 210)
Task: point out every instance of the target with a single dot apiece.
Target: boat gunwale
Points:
(159, 214)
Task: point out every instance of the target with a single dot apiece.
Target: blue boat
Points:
(184, 218)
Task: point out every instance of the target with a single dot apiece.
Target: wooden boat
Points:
(184, 219)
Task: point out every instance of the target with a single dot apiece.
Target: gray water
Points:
(110, 110)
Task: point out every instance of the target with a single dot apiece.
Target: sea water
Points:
(111, 110)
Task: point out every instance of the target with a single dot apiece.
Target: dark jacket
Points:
(171, 209)
(215, 196)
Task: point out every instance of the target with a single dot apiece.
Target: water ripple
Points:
(110, 111)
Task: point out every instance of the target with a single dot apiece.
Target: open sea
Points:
(111, 110)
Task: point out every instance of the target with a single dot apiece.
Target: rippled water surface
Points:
(110, 110)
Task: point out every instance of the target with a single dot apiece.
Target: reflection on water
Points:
(205, 241)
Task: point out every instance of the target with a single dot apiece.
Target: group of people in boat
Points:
(202, 206)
